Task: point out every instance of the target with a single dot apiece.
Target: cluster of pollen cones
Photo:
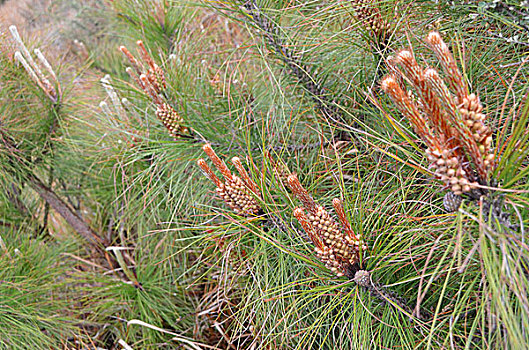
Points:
(445, 115)
(337, 246)
(151, 79)
(239, 193)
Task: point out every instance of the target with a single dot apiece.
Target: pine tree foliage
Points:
(326, 219)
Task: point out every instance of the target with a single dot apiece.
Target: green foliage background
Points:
(193, 275)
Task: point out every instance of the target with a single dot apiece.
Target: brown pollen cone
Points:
(369, 15)
(337, 247)
(171, 120)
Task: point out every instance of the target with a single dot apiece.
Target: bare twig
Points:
(67, 213)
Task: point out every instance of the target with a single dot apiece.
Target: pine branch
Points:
(327, 107)
(364, 279)
(67, 213)
(49, 196)
(336, 245)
